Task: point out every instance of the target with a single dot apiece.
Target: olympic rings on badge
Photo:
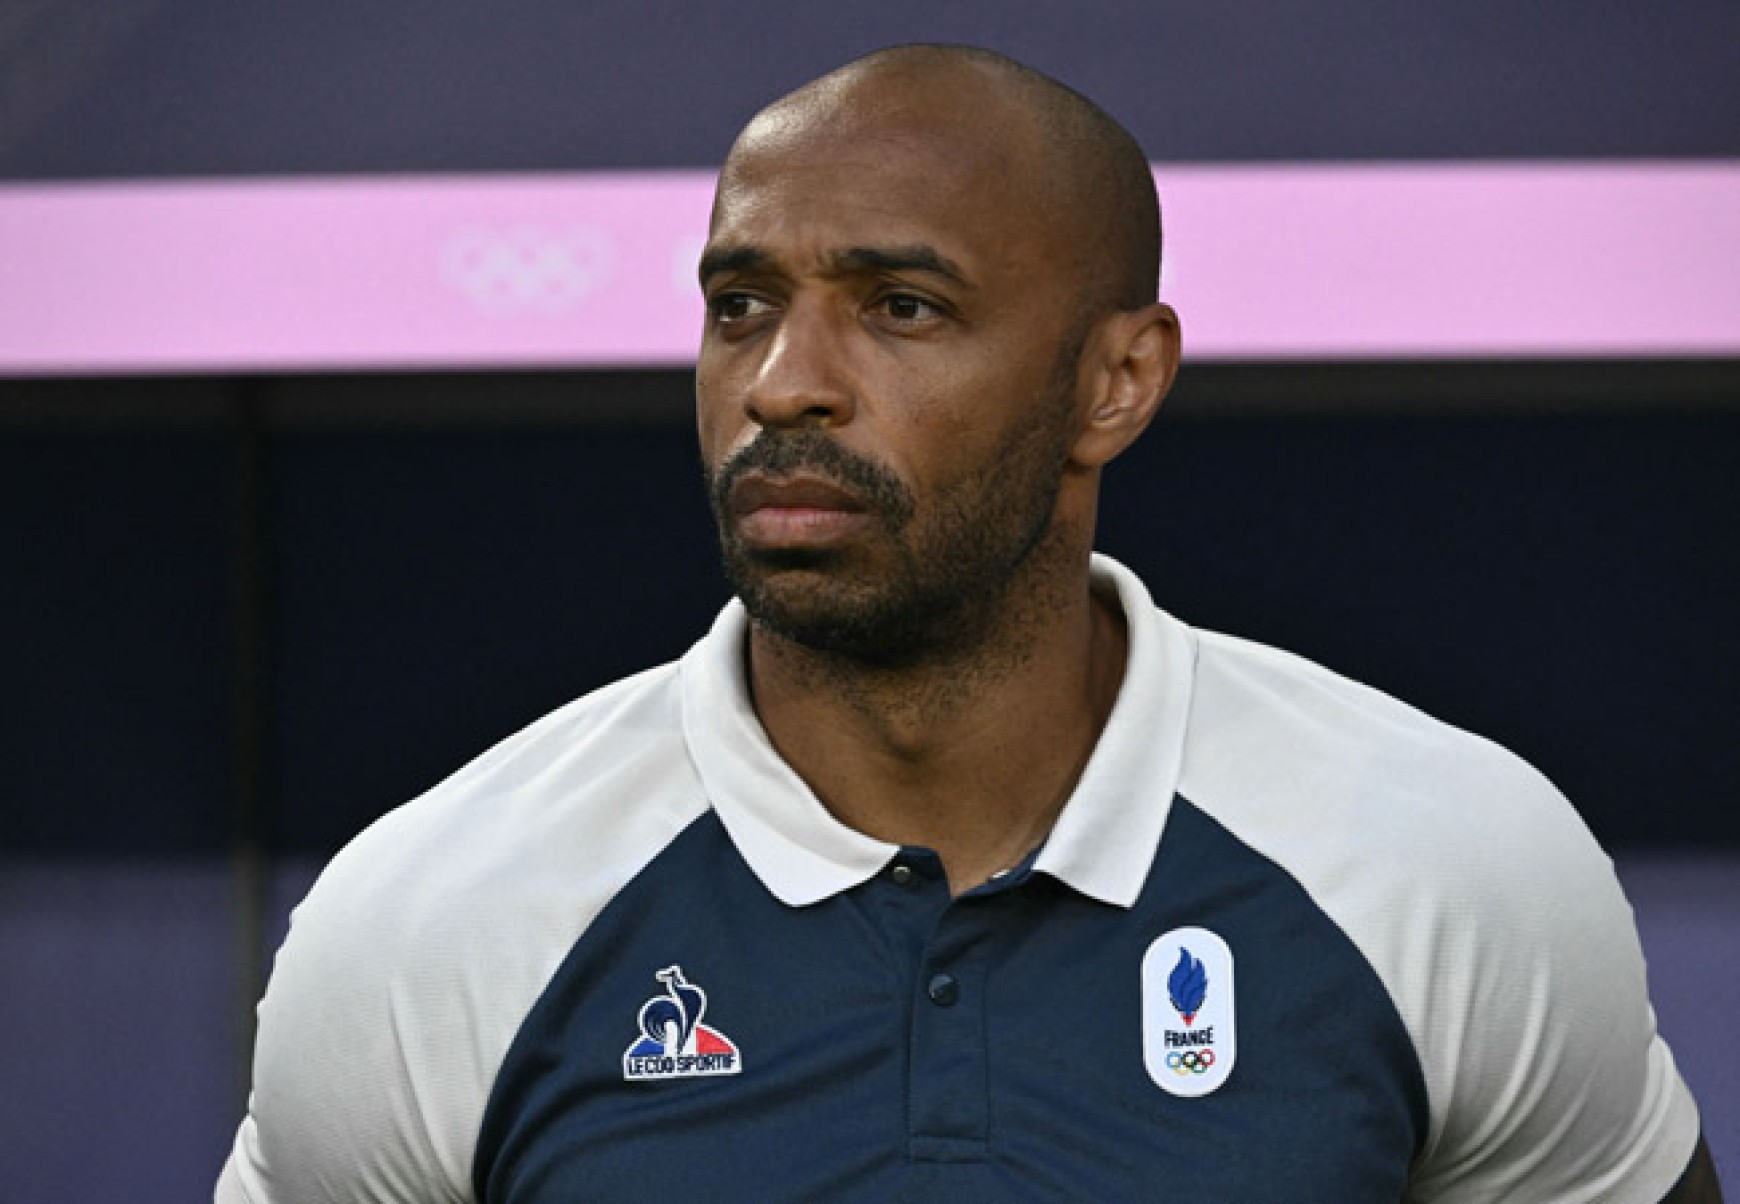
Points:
(1191, 1061)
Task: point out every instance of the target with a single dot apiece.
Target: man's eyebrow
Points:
(853, 261)
(917, 258)
(732, 259)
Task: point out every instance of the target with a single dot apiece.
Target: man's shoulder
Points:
(574, 802)
(419, 951)
(1476, 894)
(1275, 712)
(1379, 809)
(570, 764)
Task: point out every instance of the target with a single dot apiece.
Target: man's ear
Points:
(1130, 365)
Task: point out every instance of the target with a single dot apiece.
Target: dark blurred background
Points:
(251, 613)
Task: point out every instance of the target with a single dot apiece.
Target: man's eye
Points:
(903, 307)
(735, 307)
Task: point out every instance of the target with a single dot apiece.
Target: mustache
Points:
(785, 453)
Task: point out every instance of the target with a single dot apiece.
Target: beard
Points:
(930, 580)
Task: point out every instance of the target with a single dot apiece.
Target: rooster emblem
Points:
(669, 1021)
(673, 1043)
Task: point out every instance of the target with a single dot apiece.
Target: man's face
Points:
(886, 383)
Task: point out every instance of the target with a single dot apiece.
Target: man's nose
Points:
(802, 379)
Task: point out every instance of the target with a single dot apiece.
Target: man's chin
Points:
(795, 599)
(864, 627)
(767, 561)
(802, 604)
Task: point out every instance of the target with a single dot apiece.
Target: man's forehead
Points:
(876, 183)
(951, 152)
(881, 218)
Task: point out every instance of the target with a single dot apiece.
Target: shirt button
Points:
(902, 874)
(943, 990)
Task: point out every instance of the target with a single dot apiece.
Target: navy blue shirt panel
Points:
(894, 1044)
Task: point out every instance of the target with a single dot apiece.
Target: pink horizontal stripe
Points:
(597, 269)
(1453, 261)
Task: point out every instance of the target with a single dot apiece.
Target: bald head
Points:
(930, 322)
(1060, 155)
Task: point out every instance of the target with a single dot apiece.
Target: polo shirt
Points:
(1289, 939)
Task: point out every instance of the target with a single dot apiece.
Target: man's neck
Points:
(973, 755)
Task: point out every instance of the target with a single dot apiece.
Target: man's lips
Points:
(795, 512)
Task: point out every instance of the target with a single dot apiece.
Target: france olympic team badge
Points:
(1189, 1030)
(673, 1043)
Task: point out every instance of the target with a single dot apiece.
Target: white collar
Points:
(1103, 842)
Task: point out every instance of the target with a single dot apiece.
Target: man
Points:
(946, 866)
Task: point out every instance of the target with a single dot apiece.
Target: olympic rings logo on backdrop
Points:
(1191, 1061)
(528, 268)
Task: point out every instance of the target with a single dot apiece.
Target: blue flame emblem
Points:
(1187, 985)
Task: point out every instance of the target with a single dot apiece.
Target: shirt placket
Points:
(948, 1083)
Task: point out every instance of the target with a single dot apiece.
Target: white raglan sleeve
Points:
(414, 961)
(1487, 909)
(1548, 1077)
(354, 1099)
